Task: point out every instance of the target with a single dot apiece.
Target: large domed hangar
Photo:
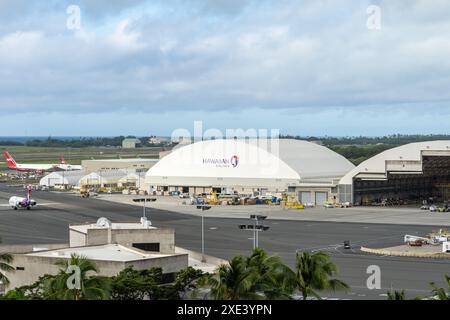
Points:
(251, 166)
(406, 174)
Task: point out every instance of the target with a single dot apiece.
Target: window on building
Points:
(147, 246)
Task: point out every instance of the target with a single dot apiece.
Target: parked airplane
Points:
(62, 166)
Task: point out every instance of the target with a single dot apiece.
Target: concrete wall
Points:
(39, 266)
(76, 238)
(164, 236)
(34, 268)
(25, 248)
(97, 237)
(168, 264)
(198, 256)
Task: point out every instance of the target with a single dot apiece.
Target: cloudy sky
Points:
(148, 67)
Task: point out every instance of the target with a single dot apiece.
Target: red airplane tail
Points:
(62, 160)
(9, 160)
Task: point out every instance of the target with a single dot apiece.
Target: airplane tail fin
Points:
(9, 160)
(62, 160)
(29, 190)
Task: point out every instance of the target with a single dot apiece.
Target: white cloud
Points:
(125, 38)
(274, 54)
(20, 47)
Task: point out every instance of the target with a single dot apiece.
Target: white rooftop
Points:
(408, 155)
(108, 252)
(83, 228)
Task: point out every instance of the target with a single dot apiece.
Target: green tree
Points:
(259, 276)
(91, 287)
(314, 272)
(234, 281)
(441, 293)
(188, 279)
(273, 277)
(131, 284)
(396, 295)
(14, 294)
(5, 265)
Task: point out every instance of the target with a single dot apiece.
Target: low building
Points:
(138, 164)
(130, 143)
(66, 179)
(133, 180)
(102, 179)
(112, 246)
(158, 140)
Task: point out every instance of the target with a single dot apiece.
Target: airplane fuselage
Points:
(63, 166)
(21, 203)
(44, 167)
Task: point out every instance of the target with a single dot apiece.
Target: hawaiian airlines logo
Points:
(234, 161)
(222, 162)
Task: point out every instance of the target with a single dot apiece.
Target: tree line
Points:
(81, 142)
(393, 140)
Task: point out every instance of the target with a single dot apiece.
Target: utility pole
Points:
(144, 200)
(256, 228)
(203, 207)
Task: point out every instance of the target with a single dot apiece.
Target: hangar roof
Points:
(255, 158)
(63, 177)
(222, 158)
(406, 158)
(311, 160)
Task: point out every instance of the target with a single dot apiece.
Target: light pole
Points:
(144, 200)
(203, 207)
(256, 228)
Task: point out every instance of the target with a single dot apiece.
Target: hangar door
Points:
(305, 197)
(321, 198)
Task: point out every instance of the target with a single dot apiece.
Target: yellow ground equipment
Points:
(212, 200)
(290, 201)
(84, 191)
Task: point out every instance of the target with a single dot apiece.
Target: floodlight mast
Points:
(203, 207)
(256, 228)
(145, 202)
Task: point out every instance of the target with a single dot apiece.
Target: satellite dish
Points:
(103, 222)
(146, 223)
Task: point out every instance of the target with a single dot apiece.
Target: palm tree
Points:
(313, 272)
(441, 293)
(5, 260)
(274, 278)
(90, 287)
(396, 295)
(234, 282)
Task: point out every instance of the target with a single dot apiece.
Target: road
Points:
(49, 224)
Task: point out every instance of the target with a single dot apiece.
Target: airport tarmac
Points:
(223, 238)
(383, 215)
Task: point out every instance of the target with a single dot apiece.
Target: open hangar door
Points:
(433, 183)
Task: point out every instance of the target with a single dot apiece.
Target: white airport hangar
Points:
(254, 166)
(411, 173)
